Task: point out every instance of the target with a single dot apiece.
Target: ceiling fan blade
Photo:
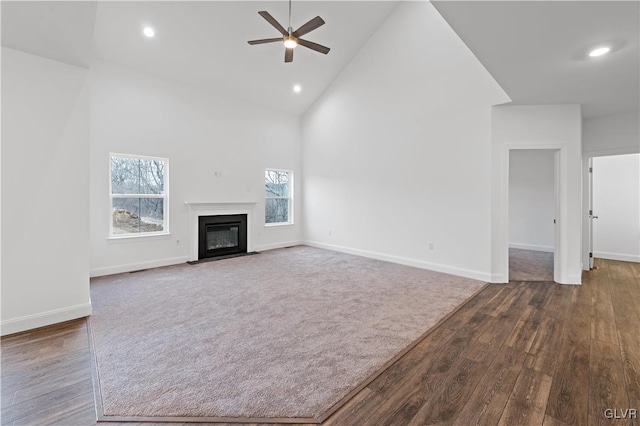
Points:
(308, 27)
(270, 19)
(313, 46)
(288, 54)
(264, 40)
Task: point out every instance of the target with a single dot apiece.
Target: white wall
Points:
(397, 151)
(616, 202)
(540, 127)
(531, 199)
(135, 113)
(45, 192)
(611, 135)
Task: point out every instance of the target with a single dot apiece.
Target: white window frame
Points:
(290, 197)
(164, 196)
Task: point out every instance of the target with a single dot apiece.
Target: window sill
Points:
(143, 237)
(275, 225)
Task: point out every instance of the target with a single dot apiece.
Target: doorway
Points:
(533, 190)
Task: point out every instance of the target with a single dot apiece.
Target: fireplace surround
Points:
(221, 235)
(196, 209)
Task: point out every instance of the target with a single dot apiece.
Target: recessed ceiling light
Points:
(149, 32)
(297, 88)
(599, 51)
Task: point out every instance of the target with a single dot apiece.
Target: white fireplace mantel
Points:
(213, 208)
(219, 203)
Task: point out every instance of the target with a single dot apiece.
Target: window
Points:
(278, 196)
(139, 195)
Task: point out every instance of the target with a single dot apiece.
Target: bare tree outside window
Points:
(138, 195)
(278, 189)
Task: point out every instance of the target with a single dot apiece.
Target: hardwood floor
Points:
(519, 353)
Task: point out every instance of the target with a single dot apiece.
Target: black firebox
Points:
(222, 235)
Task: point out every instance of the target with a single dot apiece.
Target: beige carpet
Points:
(530, 265)
(284, 334)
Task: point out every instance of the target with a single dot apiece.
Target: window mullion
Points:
(138, 196)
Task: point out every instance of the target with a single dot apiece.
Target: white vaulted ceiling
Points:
(62, 31)
(202, 43)
(536, 50)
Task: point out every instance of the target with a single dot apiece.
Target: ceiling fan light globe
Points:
(599, 51)
(290, 42)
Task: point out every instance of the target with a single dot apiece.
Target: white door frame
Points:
(561, 238)
(590, 213)
(557, 159)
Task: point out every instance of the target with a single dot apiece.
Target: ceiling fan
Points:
(292, 38)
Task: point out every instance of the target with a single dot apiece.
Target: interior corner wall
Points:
(531, 199)
(612, 135)
(616, 202)
(397, 151)
(45, 192)
(539, 127)
(217, 148)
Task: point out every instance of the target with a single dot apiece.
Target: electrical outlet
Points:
(430, 245)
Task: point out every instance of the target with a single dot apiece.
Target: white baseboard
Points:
(273, 246)
(617, 256)
(452, 270)
(572, 279)
(498, 279)
(129, 267)
(548, 249)
(137, 266)
(55, 316)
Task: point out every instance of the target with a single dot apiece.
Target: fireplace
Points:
(222, 235)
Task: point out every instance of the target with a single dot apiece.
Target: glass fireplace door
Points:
(222, 236)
